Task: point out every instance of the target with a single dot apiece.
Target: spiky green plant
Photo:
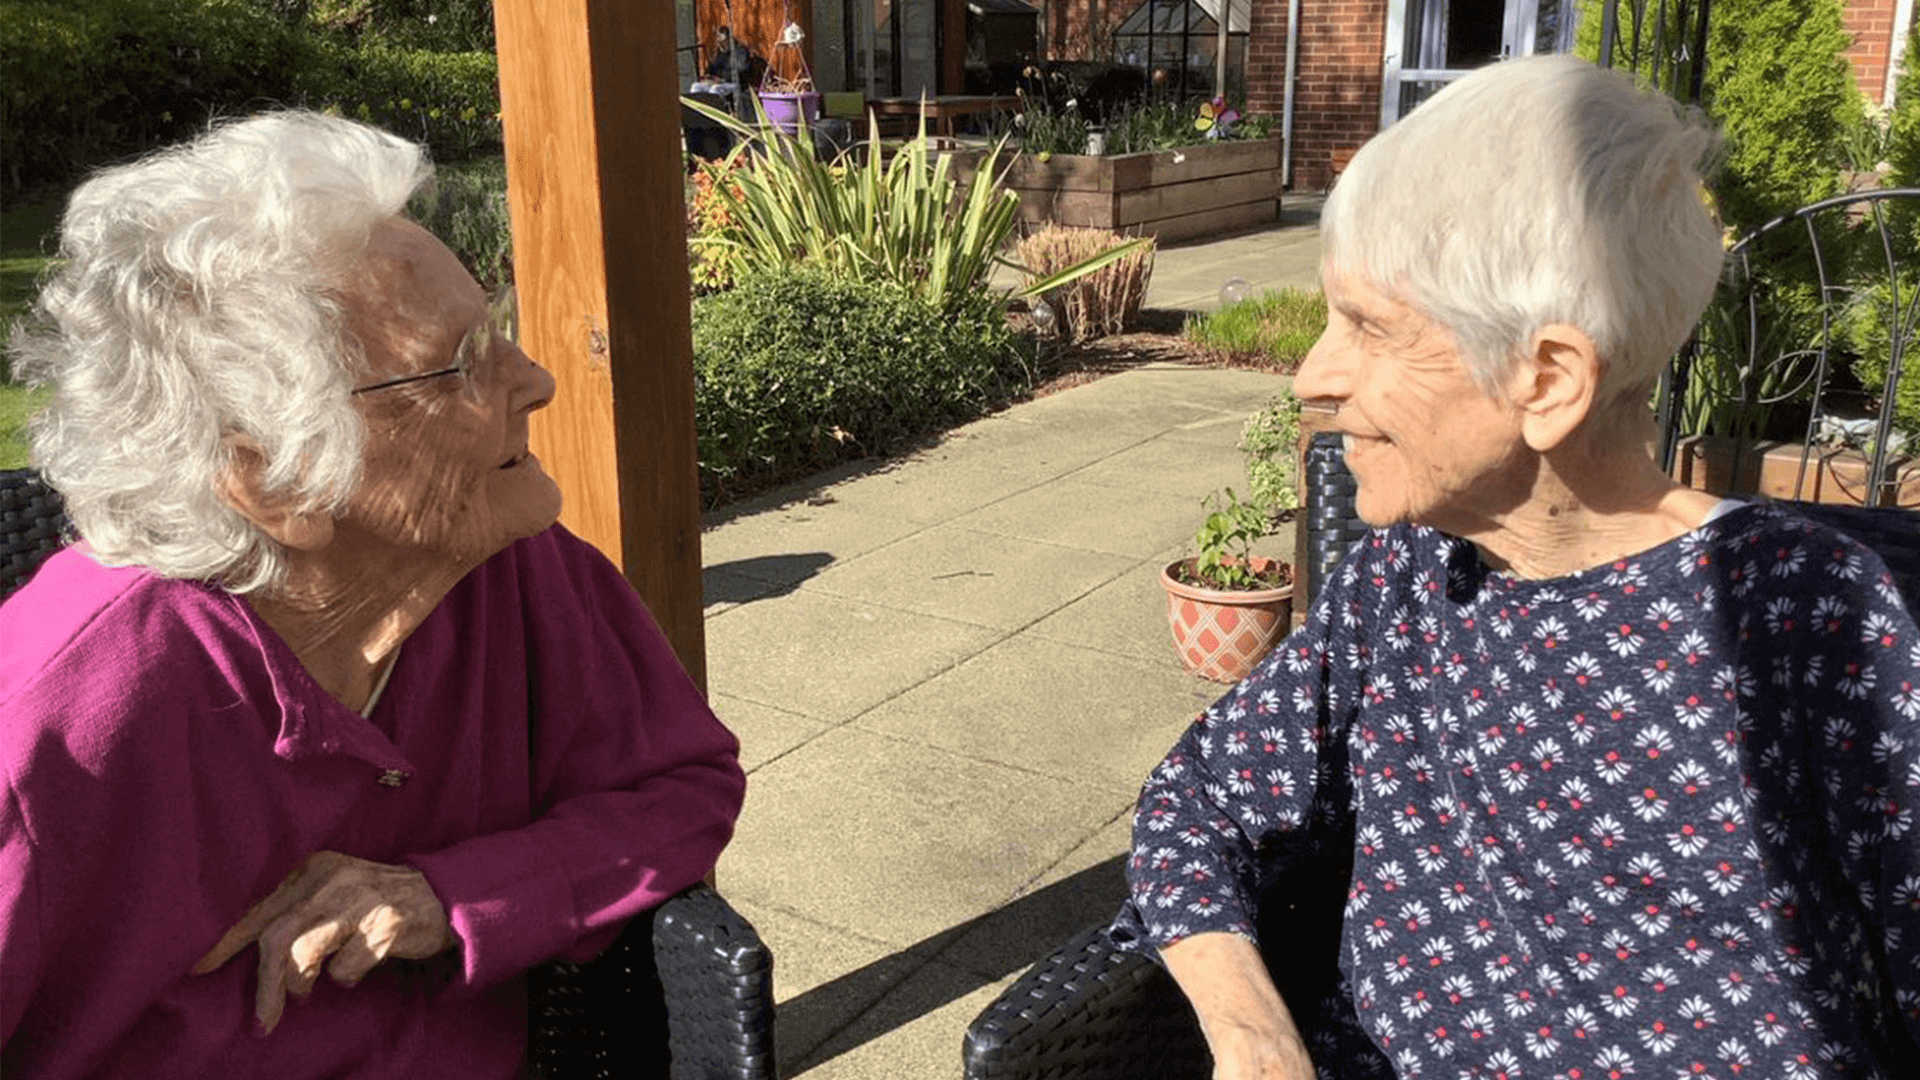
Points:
(908, 221)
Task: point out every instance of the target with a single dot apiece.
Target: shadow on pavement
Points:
(743, 581)
(862, 1005)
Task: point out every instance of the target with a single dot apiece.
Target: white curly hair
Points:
(197, 302)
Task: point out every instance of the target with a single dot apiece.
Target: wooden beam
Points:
(953, 46)
(595, 184)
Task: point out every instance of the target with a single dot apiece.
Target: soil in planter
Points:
(1280, 577)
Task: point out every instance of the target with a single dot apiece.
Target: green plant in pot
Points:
(1227, 606)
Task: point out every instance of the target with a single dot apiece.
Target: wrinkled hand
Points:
(355, 911)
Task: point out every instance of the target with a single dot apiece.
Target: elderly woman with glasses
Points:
(1617, 779)
(324, 705)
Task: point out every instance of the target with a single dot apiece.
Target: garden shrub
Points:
(795, 370)
(1779, 86)
(435, 25)
(1784, 149)
(1102, 302)
(449, 101)
(1864, 330)
(467, 209)
(1271, 441)
(713, 259)
(81, 84)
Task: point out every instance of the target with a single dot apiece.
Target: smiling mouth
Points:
(517, 459)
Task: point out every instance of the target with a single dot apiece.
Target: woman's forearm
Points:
(1246, 1022)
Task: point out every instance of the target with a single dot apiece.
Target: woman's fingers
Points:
(336, 913)
(373, 942)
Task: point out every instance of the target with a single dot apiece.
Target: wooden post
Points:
(588, 97)
(953, 46)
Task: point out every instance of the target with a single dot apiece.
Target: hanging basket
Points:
(790, 112)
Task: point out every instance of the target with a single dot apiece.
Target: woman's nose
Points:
(533, 386)
(1325, 373)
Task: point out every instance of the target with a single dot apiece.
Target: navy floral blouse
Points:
(1655, 819)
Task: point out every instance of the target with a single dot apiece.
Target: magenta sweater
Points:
(538, 753)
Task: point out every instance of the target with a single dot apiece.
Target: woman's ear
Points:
(1557, 387)
(273, 513)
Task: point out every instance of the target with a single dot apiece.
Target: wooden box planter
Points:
(1772, 469)
(1172, 195)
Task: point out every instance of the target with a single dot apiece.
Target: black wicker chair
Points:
(1093, 1012)
(685, 991)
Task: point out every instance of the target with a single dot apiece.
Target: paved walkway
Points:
(950, 674)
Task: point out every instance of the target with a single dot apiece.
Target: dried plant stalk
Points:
(1105, 301)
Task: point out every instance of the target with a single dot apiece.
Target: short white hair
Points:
(1536, 191)
(198, 300)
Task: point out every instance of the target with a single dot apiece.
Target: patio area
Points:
(950, 673)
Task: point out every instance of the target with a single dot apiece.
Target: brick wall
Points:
(1336, 103)
(1871, 24)
(1336, 89)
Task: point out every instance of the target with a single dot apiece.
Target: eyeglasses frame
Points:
(502, 318)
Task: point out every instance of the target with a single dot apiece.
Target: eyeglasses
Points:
(477, 349)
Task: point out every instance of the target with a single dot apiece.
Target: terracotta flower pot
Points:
(1221, 635)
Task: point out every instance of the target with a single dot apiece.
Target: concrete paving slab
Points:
(915, 1032)
(829, 657)
(1213, 389)
(973, 577)
(1084, 889)
(1039, 447)
(1127, 615)
(1068, 712)
(904, 495)
(1172, 466)
(792, 543)
(1096, 403)
(765, 732)
(1189, 277)
(900, 842)
(1072, 514)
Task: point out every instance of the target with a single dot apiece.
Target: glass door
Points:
(1430, 43)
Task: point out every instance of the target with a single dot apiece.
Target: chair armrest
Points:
(689, 981)
(718, 979)
(1089, 1012)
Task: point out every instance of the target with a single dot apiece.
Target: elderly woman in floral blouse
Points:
(1626, 772)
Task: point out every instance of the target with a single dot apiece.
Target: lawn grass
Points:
(1279, 326)
(26, 251)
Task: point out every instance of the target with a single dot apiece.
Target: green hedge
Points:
(796, 370)
(467, 209)
(1779, 87)
(85, 84)
(449, 101)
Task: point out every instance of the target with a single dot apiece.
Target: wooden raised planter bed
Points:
(1172, 195)
(1772, 469)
